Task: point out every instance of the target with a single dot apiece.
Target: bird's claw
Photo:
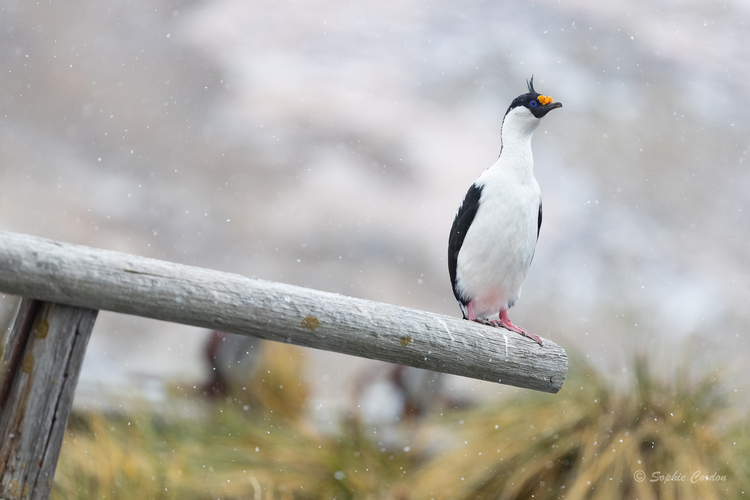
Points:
(510, 327)
(483, 321)
(532, 337)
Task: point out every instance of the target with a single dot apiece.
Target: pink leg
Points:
(471, 317)
(470, 307)
(506, 323)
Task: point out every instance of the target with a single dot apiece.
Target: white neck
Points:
(518, 127)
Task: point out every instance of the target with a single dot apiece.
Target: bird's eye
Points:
(532, 104)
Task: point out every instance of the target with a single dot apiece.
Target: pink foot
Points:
(483, 321)
(506, 323)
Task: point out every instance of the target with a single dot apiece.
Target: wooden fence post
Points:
(39, 370)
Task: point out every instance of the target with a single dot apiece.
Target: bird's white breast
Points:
(501, 240)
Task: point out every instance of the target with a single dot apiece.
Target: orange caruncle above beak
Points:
(544, 100)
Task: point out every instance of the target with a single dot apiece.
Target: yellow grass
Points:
(594, 441)
(256, 445)
(587, 442)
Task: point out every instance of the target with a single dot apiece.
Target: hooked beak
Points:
(543, 110)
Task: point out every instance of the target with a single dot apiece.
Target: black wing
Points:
(461, 223)
(539, 224)
(538, 228)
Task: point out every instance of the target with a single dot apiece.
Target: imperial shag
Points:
(494, 235)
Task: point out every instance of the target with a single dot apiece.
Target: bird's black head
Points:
(538, 104)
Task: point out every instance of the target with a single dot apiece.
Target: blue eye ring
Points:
(533, 104)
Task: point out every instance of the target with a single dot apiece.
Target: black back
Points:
(464, 218)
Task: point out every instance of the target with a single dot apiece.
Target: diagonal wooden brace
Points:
(40, 366)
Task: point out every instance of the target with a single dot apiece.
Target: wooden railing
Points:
(64, 286)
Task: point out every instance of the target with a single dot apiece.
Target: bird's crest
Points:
(543, 99)
(530, 85)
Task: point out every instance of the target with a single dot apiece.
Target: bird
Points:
(494, 235)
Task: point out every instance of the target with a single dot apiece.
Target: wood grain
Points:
(39, 370)
(101, 279)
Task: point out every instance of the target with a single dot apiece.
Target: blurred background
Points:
(328, 145)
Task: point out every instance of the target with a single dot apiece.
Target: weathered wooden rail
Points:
(64, 285)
